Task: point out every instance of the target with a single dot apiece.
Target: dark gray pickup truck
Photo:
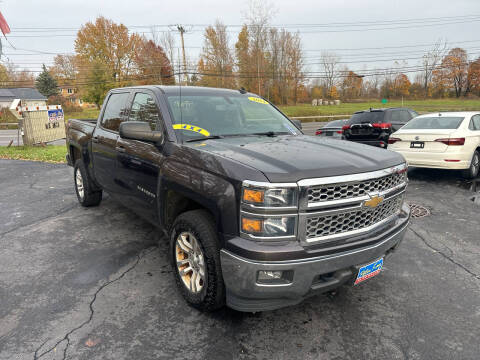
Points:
(258, 215)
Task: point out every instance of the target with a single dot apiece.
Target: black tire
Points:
(200, 224)
(86, 196)
(473, 170)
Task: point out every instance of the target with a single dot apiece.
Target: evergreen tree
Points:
(46, 84)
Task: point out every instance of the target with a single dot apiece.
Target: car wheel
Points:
(195, 258)
(84, 187)
(472, 171)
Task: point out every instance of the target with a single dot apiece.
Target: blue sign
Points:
(55, 116)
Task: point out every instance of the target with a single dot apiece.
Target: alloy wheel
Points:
(190, 262)
(79, 184)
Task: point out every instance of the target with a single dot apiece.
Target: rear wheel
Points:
(195, 258)
(472, 171)
(84, 187)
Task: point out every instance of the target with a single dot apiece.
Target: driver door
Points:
(138, 162)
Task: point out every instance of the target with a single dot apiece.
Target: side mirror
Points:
(139, 130)
(297, 123)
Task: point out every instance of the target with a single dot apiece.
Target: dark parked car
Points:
(374, 126)
(257, 215)
(333, 128)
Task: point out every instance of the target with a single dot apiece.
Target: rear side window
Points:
(145, 109)
(437, 122)
(475, 123)
(400, 116)
(367, 117)
(115, 111)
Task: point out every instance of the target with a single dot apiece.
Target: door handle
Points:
(120, 149)
(95, 139)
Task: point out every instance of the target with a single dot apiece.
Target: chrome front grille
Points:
(336, 224)
(350, 205)
(332, 192)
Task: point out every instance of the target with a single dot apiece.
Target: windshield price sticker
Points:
(258, 100)
(191, 128)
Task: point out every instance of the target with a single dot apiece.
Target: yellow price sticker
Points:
(191, 128)
(257, 100)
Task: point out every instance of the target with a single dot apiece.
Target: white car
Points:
(449, 140)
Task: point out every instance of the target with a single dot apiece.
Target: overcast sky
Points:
(352, 46)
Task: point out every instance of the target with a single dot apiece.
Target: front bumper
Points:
(310, 275)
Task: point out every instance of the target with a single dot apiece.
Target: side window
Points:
(396, 116)
(405, 116)
(145, 109)
(115, 111)
(475, 123)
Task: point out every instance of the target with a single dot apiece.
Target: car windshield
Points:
(367, 117)
(434, 122)
(199, 116)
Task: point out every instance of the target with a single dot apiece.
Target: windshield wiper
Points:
(206, 138)
(270, 133)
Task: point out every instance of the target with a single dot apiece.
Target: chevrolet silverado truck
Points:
(258, 215)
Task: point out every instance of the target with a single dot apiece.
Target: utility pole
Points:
(181, 30)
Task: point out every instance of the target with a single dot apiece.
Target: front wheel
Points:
(84, 187)
(195, 258)
(472, 171)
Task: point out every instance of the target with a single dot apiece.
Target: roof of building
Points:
(9, 94)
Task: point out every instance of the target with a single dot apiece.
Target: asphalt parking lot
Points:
(96, 284)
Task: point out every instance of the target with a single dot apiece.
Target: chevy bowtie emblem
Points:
(373, 202)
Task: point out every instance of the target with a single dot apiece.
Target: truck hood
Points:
(293, 158)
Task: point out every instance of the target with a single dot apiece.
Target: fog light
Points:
(274, 277)
(269, 275)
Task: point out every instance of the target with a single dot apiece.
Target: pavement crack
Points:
(66, 338)
(445, 255)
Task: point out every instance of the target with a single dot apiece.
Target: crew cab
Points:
(258, 216)
(374, 126)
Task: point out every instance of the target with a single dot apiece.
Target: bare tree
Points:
(330, 63)
(430, 61)
(258, 17)
(167, 41)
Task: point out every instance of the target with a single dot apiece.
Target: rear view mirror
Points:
(297, 123)
(139, 130)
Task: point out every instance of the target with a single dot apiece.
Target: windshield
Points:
(201, 116)
(437, 122)
(367, 117)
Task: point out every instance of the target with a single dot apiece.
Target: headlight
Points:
(268, 226)
(285, 195)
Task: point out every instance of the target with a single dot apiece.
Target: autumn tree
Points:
(109, 44)
(351, 85)
(453, 72)
(216, 66)
(258, 17)
(152, 63)
(243, 60)
(4, 76)
(64, 68)
(473, 82)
